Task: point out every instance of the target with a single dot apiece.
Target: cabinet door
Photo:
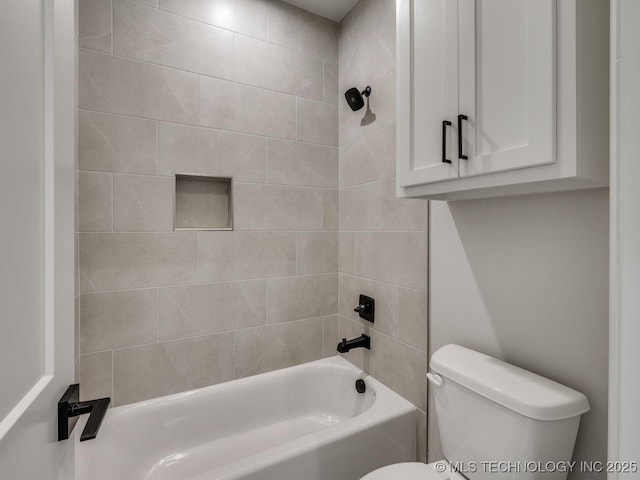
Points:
(507, 84)
(428, 91)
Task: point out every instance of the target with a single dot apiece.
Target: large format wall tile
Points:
(245, 255)
(116, 261)
(385, 295)
(317, 252)
(242, 16)
(94, 24)
(293, 27)
(295, 298)
(270, 66)
(272, 347)
(397, 258)
(374, 206)
(272, 207)
(118, 319)
(112, 143)
(158, 37)
(402, 368)
(331, 209)
(206, 309)
(331, 94)
(95, 201)
(297, 163)
(330, 335)
(231, 106)
(96, 375)
(413, 311)
(117, 85)
(317, 122)
(212, 152)
(369, 158)
(161, 369)
(379, 112)
(142, 204)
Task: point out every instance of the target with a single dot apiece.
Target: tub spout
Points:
(363, 341)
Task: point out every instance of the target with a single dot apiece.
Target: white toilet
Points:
(496, 421)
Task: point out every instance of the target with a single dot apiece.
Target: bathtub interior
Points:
(183, 435)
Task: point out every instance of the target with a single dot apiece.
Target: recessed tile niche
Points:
(203, 202)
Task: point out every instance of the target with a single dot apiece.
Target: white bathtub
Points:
(300, 423)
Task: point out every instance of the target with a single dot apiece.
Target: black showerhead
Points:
(354, 97)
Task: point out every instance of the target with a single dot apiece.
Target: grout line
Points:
(193, 72)
(215, 129)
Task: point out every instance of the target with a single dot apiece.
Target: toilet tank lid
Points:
(512, 387)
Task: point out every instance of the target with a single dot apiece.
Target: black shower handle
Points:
(445, 124)
(460, 154)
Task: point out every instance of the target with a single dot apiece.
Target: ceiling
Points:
(332, 9)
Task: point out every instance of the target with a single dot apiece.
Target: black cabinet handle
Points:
(445, 124)
(460, 154)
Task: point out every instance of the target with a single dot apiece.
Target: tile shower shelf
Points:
(203, 202)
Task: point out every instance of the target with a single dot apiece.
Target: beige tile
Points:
(231, 106)
(117, 85)
(226, 256)
(369, 158)
(149, 371)
(94, 24)
(397, 258)
(367, 41)
(242, 16)
(149, 3)
(374, 206)
(414, 318)
(380, 112)
(76, 327)
(293, 27)
(360, 357)
(207, 309)
(402, 368)
(295, 298)
(212, 152)
(276, 68)
(331, 209)
(95, 376)
(112, 143)
(331, 94)
(118, 261)
(271, 207)
(118, 319)
(386, 297)
(347, 252)
(317, 252)
(155, 36)
(263, 349)
(421, 437)
(330, 335)
(142, 204)
(95, 199)
(305, 164)
(317, 122)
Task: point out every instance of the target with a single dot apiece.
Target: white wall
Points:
(526, 279)
(625, 235)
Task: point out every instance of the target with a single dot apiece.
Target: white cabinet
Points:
(501, 97)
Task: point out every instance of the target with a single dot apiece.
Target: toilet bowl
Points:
(490, 412)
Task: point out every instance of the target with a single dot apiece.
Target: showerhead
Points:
(355, 97)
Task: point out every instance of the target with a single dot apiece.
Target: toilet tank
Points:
(498, 421)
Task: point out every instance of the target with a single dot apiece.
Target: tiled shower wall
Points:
(383, 240)
(242, 88)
